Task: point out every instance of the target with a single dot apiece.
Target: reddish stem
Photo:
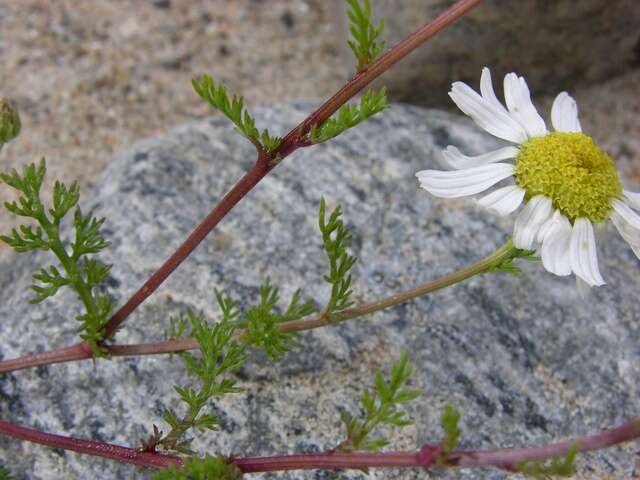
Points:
(506, 458)
(262, 166)
(291, 142)
(510, 457)
(99, 449)
(373, 71)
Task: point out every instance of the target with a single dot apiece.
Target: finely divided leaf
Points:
(381, 407)
(234, 110)
(349, 116)
(364, 42)
(335, 240)
(81, 274)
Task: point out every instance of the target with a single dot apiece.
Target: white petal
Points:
(633, 199)
(564, 114)
(460, 183)
(582, 253)
(455, 159)
(548, 225)
(530, 219)
(495, 120)
(518, 100)
(486, 89)
(555, 245)
(630, 234)
(504, 200)
(631, 217)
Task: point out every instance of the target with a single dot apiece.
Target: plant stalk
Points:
(315, 321)
(426, 458)
(295, 139)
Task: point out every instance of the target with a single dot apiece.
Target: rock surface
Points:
(526, 360)
(557, 45)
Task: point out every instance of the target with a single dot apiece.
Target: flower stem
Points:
(90, 447)
(292, 141)
(502, 254)
(261, 168)
(427, 457)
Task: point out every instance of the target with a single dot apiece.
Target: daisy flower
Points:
(566, 182)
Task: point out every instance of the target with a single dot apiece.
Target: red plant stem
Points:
(99, 449)
(510, 457)
(329, 461)
(291, 142)
(79, 351)
(307, 323)
(506, 458)
(377, 68)
(262, 166)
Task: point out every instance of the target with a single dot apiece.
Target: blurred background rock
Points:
(555, 44)
(90, 78)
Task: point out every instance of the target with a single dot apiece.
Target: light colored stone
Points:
(526, 360)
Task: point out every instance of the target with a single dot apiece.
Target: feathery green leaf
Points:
(10, 124)
(336, 238)
(556, 467)
(196, 468)
(380, 407)
(75, 271)
(219, 355)
(234, 110)
(261, 322)
(349, 116)
(449, 421)
(365, 42)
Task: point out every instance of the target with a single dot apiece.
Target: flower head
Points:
(567, 183)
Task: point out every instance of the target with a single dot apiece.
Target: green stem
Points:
(171, 439)
(501, 255)
(295, 139)
(55, 244)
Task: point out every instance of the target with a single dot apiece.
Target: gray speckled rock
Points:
(556, 45)
(526, 360)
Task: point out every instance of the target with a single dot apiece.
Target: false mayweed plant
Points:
(566, 182)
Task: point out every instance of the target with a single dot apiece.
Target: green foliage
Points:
(507, 265)
(335, 240)
(364, 43)
(52, 279)
(88, 239)
(349, 116)
(234, 110)
(556, 467)
(261, 322)
(177, 328)
(220, 355)
(10, 124)
(449, 421)
(381, 407)
(76, 270)
(196, 468)
(5, 474)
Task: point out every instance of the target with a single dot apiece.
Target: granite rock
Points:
(556, 45)
(525, 360)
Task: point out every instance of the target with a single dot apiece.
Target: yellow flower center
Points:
(572, 171)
